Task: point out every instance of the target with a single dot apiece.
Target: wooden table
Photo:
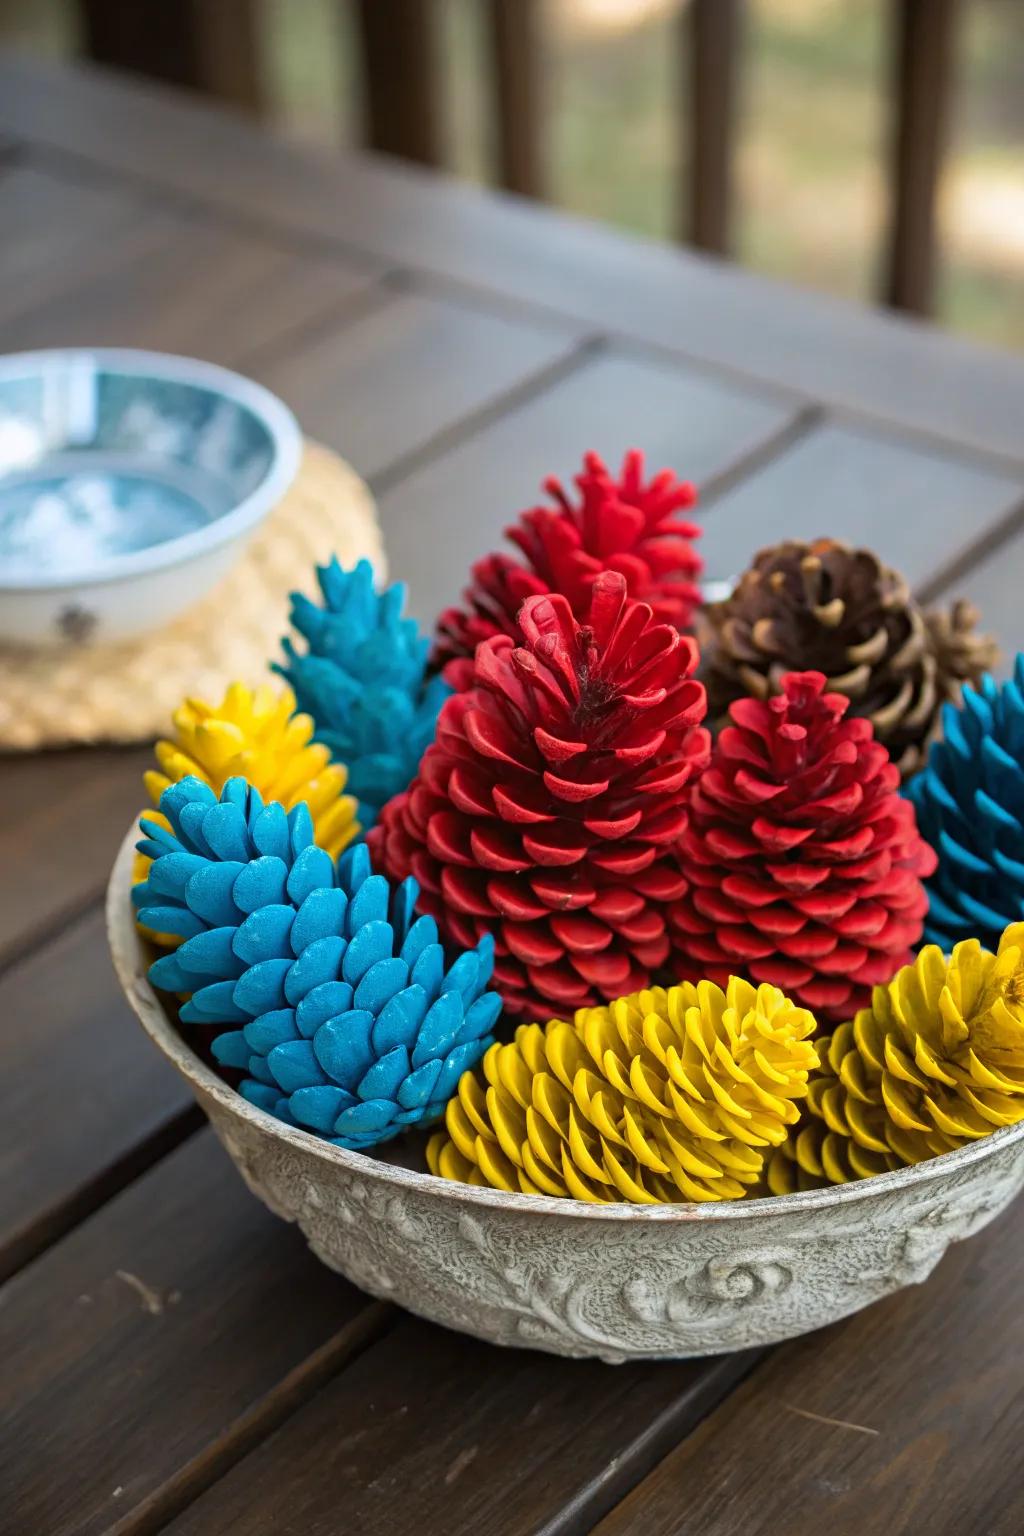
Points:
(173, 1357)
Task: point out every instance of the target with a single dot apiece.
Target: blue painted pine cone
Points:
(327, 990)
(970, 806)
(363, 679)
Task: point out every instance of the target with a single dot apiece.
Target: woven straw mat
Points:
(126, 692)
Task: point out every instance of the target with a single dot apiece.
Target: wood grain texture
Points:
(840, 353)
(922, 510)
(610, 403)
(186, 285)
(59, 232)
(214, 1389)
(430, 1431)
(143, 1350)
(406, 370)
(62, 817)
(82, 1091)
(926, 1389)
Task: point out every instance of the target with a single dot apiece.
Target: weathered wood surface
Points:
(174, 1357)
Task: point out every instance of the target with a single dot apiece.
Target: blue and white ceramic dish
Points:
(128, 484)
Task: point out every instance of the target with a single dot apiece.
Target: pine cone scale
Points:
(970, 802)
(575, 743)
(625, 526)
(921, 1071)
(630, 1102)
(842, 612)
(345, 1020)
(844, 905)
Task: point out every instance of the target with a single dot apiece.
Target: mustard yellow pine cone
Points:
(660, 1097)
(255, 733)
(935, 1062)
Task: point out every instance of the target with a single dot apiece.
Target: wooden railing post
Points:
(206, 45)
(923, 43)
(713, 45)
(516, 58)
(401, 93)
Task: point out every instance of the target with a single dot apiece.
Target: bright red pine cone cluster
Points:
(624, 524)
(568, 805)
(804, 863)
(550, 808)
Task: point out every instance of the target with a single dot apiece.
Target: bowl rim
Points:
(138, 362)
(129, 959)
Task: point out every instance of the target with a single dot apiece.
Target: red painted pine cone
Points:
(622, 525)
(804, 863)
(549, 809)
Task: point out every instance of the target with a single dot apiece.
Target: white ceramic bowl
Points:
(128, 484)
(615, 1281)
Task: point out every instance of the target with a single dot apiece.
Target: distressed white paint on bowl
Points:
(614, 1281)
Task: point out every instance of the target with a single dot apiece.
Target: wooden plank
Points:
(698, 427)
(906, 1418)
(895, 370)
(214, 48)
(922, 511)
(713, 44)
(429, 1431)
(514, 36)
(85, 1099)
(62, 817)
(59, 231)
(403, 372)
(155, 1344)
(188, 286)
(923, 50)
(401, 83)
(41, 209)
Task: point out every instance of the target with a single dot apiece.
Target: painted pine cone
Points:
(363, 680)
(626, 524)
(328, 990)
(804, 862)
(257, 735)
(936, 1061)
(660, 1097)
(549, 808)
(840, 611)
(970, 806)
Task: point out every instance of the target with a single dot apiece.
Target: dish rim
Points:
(138, 362)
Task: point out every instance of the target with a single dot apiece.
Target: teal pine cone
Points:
(363, 679)
(969, 799)
(326, 989)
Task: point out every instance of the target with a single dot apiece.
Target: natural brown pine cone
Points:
(961, 654)
(829, 608)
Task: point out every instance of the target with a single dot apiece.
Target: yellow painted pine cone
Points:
(255, 733)
(813, 1157)
(935, 1062)
(660, 1097)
